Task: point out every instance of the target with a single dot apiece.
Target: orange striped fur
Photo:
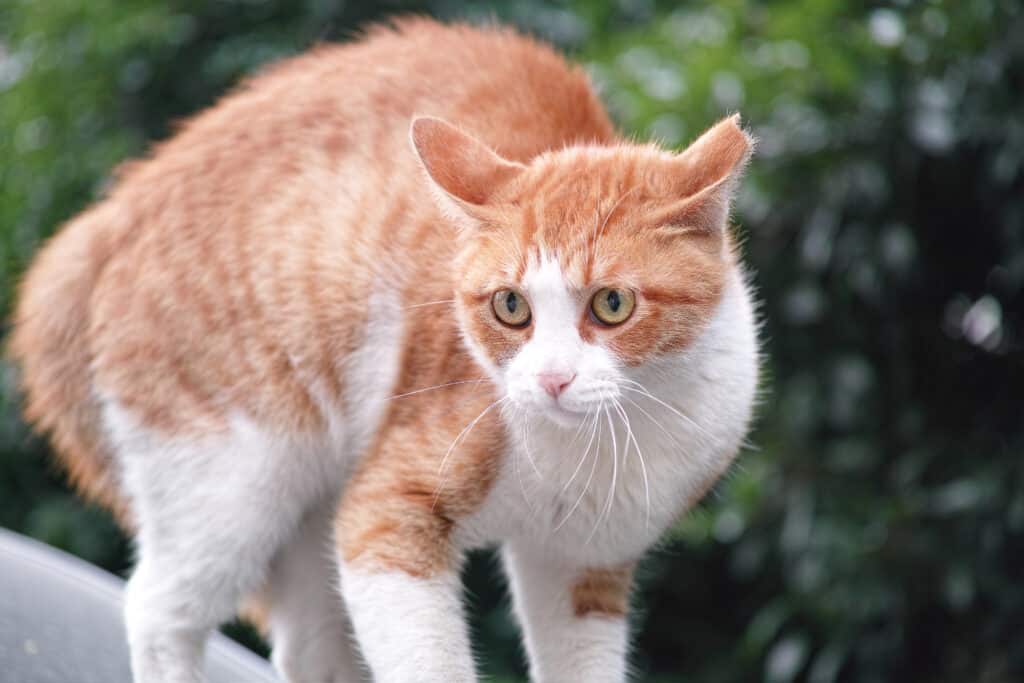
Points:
(237, 270)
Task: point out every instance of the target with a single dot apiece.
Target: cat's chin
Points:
(562, 418)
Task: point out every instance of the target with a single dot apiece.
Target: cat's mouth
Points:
(568, 410)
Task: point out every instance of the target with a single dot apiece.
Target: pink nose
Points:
(555, 382)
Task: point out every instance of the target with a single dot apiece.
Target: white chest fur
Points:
(605, 493)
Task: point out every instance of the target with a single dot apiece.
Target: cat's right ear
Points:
(465, 174)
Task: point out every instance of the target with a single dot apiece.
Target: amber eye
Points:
(613, 306)
(511, 308)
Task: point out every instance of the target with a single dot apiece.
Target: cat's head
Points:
(586, 262)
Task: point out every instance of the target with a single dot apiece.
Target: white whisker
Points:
(644, 392)
(519, 469)
(643, 466)
(615, 206)
(654, 420)
(590, 477)
(611, 487)
(438, 386)
(579, 429)
(429, 303)
(526, 449)
(586, 450)
(465, 432)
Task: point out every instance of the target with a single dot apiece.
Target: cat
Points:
(387, 302)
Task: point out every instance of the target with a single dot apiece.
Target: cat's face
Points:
(585, 264)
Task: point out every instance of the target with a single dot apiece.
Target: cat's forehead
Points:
(573, 198)
(572, 266)
(586, 210)
(580, 239)
(589, 176)
(549, 274)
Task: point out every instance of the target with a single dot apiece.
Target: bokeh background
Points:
(876, 531)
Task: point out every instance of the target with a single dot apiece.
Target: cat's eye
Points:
(511, 308)
(612, 306)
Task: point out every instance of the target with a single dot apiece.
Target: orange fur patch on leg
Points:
(255, 610)
(602, 592)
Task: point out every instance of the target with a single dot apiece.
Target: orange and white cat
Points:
(387, 302)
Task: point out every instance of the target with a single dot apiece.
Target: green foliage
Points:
(877, 531)
(874, 535)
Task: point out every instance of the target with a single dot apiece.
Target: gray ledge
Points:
(60, 622)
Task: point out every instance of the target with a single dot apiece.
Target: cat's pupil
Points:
(511, 303)
(613, 301)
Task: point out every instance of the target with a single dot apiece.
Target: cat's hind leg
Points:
(210, 513)
(309, 626)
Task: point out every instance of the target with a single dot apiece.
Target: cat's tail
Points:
(50, 341)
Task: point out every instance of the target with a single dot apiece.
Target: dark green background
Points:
(876, 533)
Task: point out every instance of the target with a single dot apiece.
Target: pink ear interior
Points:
(721, 152)
(465, 168)
(704, 177)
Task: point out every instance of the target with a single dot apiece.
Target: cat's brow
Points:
(595, 237)
(618, 202)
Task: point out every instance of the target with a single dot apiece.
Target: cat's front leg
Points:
(574, 620)
(400, 580)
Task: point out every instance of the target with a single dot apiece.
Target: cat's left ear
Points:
(704, 178)
(465, 174)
